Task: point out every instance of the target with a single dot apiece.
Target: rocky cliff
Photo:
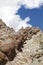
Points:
(26, 47)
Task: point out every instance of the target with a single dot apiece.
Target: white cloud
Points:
(8, 8)
(9, 2)
(16, 22)
(7, 14)
(32, 3)
(24, 23)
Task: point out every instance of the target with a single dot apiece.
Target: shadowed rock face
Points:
(11, 41)
(7, 41)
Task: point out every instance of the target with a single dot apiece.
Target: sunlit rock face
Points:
(24, 47)
(32, 52)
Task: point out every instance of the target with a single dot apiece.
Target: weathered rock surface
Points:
(32, 52)
(24, 47)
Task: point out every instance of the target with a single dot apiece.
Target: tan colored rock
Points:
(11, 44)
(7, 40)
(31, 54)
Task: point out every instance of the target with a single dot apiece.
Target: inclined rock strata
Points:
(32, 52)
(24, 47)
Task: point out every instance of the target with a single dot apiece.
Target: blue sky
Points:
(18, 13)
(35, 14)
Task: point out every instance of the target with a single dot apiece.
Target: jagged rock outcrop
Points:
(24, 47)
(32, 52)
